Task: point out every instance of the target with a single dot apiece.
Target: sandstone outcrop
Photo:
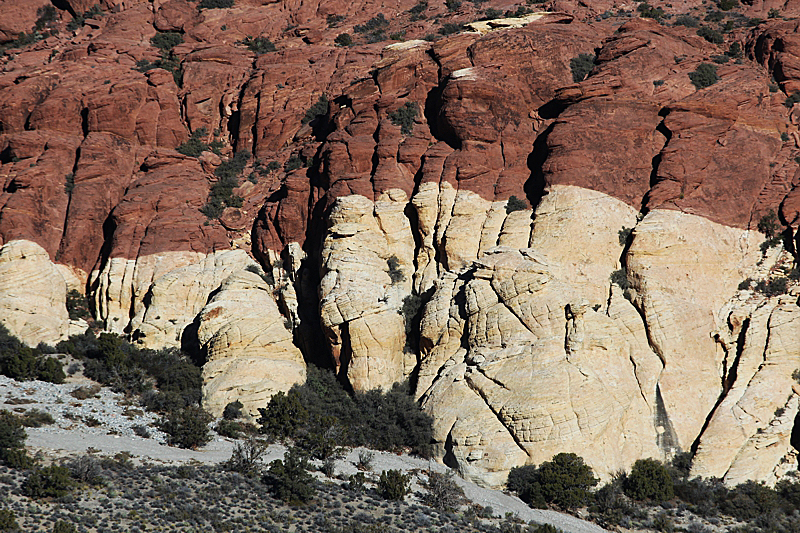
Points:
(545, 221)
(249, 350)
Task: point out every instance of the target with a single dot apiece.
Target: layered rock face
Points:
(540, 220)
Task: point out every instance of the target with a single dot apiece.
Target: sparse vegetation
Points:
(395, 272)
(394, 485)
(564, 481)
(258, 45)
(515, 204)
(581, 66)
(290, 479)
(381, 420)
(77, 306)
(792, 99)
(20, 362)
(704, 76)
(650, 12)
(221, 195)
(78, 21)
(186, 427)
(343, 39)
(215, 4)
(443, 492)
(52, 481)
(404, 117)
(711, 35)
(320, 108)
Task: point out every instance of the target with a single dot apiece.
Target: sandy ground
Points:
(63, 442)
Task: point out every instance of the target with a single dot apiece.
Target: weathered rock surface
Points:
(32, 294)
(556, 259)
(250, 354)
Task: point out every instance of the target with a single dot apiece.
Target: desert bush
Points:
(228, 428)
(647, 11)
(491, 13)
(649, 480)
(20, 362)
(711, 35)
(443, 493)
(365, 459)
(319, 108)
(404, 117)
(12, 431)
(449, 28)
(515, 204)
(187, 427)
(52, 481)
(704, 76)
(141, 431)
(85, 469)
(296, 161)
(290, 479)
(283, 416)
(686, 20)
(233, 410)
(221, 195)
(166, 41)
(394, 485)
(246, 457)
(64, 527)
(581, 66)
(215, 4)
(389, 420)
(77, 305)
(258, 45)
(727, 5)
(195, 145)
(749, 500)
(323, 438)
(36, 418)
(356, 482)
(376, 23)
(564, 481)
(8, 520)
(343, 39)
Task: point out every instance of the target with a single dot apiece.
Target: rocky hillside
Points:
(573, 227)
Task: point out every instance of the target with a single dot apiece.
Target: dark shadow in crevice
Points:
(535, 185)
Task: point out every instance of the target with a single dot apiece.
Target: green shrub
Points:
(389, 420)
(246, 457)
(64, 527)
(77, 306)
(711, 35)
(449, 28)
(323, 438)
(233, 410)
(792, 99)
(290, 479)
(452, 5)
(79, 20)
(686, 20)
(491, 13)
(727, 5)
(442, 492)
(735, 51)
(334, 20)
(394, 485)
(259, 45)
(377, 22)
(187, 427)
(404, 117)
(295, 162)
(51, 481)
(85, 469)
(773, 287)
(45, 15)
(515, 204)
(166, 41)
(565, 482)
(343, 39)
(774, 13)
(649, 480)
(215, 4)
(69, 183)
(8, 520)
(12, 431)
(20, 362)
(749, 500)
(581, 66)
(221, 195)
(320, 108)
(195, 145)
(704, 76)
(36, 418)
(650, 12)
(283, 416)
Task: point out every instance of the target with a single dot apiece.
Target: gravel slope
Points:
(114, 434)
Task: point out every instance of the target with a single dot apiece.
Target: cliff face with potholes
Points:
(558, 265)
